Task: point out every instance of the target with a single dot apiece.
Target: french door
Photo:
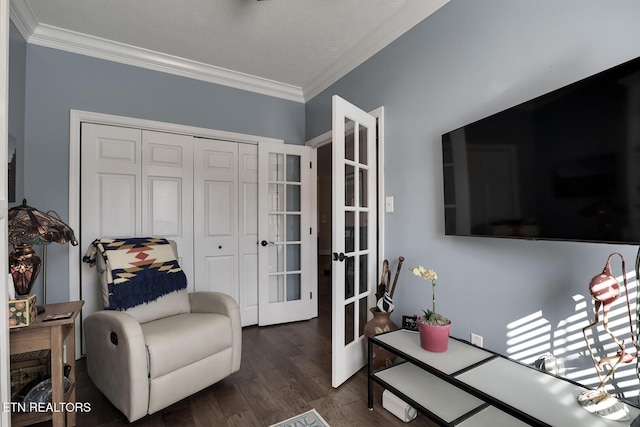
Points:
(287, 286)
(354, 209)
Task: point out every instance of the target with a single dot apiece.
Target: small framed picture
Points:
(410, 322)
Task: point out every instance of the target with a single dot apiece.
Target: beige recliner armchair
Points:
(147, 357)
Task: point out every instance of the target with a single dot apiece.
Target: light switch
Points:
(388, 204)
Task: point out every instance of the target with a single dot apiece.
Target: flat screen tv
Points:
(562, 166)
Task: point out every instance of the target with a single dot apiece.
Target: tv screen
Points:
(563, 166)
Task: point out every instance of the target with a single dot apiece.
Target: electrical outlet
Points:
(476, 340)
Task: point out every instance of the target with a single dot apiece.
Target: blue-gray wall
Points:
(58, 81)
(469, 60)
(17, 78)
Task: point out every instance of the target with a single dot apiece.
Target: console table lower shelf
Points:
(51, 335)
(469, 386)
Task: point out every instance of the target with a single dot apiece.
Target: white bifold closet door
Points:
(200, 192)
(225, 238)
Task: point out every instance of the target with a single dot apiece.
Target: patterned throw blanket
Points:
(139, 270)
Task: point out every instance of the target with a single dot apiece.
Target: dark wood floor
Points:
(285, 370)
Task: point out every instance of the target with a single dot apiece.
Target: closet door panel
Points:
(110, 176)
(220, 210)
(216, 216)
(117, 205)
(221, 273)
(166, 213)
(167, 188)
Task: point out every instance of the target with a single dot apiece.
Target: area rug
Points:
(308, 419)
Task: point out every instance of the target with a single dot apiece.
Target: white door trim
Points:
(76, 117)
(325, 139)
(5, 383)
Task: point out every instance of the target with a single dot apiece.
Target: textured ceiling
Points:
(302, 43)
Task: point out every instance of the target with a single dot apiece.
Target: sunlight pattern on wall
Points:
(534, 335)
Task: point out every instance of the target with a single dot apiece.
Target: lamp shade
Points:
(33, 227)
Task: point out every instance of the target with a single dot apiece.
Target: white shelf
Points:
(545, 397)
(438, 396)
(458, 355)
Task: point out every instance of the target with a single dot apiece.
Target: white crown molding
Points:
(398, 25)
(23, 18)
(83, 44)
(57, 38)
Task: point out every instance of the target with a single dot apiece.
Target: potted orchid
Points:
(434, 327)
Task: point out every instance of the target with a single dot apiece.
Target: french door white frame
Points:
(275, 264)
(325, 139)
(76, 117)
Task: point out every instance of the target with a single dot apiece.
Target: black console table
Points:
(470, 386)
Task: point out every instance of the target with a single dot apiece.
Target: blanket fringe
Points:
(146, 290)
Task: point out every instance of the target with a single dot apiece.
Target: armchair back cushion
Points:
(167, 305)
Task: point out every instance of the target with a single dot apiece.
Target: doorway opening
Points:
(324, 229)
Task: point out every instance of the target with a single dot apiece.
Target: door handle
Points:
(265, 243)
(338, 257)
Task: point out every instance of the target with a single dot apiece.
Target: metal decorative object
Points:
(605, 290)
(28, 226)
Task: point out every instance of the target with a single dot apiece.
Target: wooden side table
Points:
(50, 335)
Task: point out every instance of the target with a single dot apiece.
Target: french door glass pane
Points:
(276, 288)
(349, 231)
(364, 231)
(293, 287)
(349, 185)
(362, 145)
(293, 198)
(349, 323)
(276, 227)
(293, 228)
(364, 280)
(362, 187)
(363, 309)
(276, 258)
(276, 197)
(293, 168)
(349, 280)
(276, 167)
(293, 257)
(349, 143)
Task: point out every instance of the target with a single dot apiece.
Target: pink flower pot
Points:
(434, 338)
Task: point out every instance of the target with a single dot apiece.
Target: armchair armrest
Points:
(117, 360)
(217, 302)
(213, 302)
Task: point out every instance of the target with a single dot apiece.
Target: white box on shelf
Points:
(398, 407)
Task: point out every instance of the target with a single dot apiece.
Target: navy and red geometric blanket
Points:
(139, 270)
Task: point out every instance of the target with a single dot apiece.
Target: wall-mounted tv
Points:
(562, 166)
